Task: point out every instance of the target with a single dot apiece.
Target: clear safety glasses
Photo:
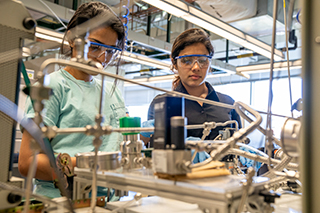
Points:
(96, 50)
(188, 61)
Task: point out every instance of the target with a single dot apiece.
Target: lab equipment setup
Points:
(162, 178)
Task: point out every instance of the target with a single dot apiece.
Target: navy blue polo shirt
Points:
(197, 114)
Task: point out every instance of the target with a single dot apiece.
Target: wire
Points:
(297, 16)
(126, 23)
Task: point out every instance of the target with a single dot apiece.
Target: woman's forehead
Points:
(104, 35)
(196, 48)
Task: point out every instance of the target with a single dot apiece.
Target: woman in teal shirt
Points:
(76, 98)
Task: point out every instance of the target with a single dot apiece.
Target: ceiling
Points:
(148, 36)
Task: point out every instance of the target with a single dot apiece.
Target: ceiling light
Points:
(278, 66)
(167, 78)
(50, 35)
(145, 60)
(206, 21)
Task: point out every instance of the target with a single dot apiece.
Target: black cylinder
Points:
(178, 132)
(29, 23)
(13, 198)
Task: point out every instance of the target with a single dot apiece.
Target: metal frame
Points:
(220, 194)
(311, 102)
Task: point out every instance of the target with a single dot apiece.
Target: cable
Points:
(297, 16)
(126, 23)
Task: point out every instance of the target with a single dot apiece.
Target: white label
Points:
(30, 74)
(159, 161)
(158, 106)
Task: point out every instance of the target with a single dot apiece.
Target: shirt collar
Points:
(212, 95)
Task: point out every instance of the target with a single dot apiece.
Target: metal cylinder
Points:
(130, 149)
(290, 134)
(178, 132)
(106, 160)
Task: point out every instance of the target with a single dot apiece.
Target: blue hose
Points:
(126, 23)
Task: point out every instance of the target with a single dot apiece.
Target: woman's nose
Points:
(196, 65)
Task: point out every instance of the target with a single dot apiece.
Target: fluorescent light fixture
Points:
(166, 78)
(50, 35)
(278, 66)
(157, 79)
(139, 59)
(206, 21)
(230, 69)
(170, 8)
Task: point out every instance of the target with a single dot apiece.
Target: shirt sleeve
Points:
(151, 110)
(51, 111)
(235, 116)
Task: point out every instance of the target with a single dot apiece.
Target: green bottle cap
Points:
(128, 122)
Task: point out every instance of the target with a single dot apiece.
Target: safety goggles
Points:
(96, 50)
(188, 61)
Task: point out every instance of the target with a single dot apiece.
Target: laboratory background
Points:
(83, 134)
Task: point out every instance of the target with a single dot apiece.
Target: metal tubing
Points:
(216, 154)
(259, 158)
(287, 50)
(92, 70)
(168, 27)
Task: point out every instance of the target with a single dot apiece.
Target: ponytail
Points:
(176, 81)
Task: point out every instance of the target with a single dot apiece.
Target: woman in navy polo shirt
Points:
(191, 57)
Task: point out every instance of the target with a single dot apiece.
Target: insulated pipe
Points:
(259, 158)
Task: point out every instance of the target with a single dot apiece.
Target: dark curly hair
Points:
(91, 10)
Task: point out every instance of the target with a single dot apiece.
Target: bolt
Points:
(206, 211)
(229, 195)
(317, 39)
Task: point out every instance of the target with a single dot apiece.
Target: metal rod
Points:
(268, 144)
(259, 158)
(71, 130)
(148, 23)
(287, 50)
(94, 180)
(92, 70)
(227, 51)
(74, 4)
(168, 27)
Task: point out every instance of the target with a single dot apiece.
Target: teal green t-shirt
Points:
(75, 103)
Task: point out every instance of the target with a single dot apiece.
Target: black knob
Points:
(29, 23)
(13, 198)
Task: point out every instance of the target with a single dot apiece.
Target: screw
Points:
(317, 39)
(206, 211)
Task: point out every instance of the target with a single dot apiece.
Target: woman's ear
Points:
(174, 66)
(68, 38)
